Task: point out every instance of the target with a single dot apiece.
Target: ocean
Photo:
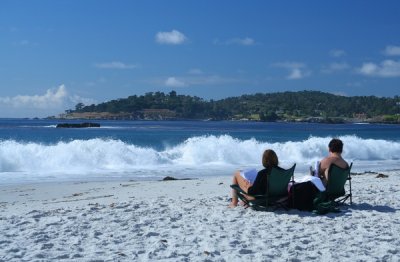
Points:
(37, 151)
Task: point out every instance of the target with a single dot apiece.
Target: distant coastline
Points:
(303, 106)
(128, 117)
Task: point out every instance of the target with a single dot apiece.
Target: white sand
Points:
(188, 220)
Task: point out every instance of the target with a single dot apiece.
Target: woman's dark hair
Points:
(269, 159)
(336, 146)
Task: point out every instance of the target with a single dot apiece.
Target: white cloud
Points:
(199, 80)
(171, 38)
(339, 93)
(53, 101)
(337, 53)
(211, 80)
(290, 65)
(115, 65)
(295, 73)
(52, 98)
(247, 41)
(387, 68)
(174, 82)
(296, 70)
(392, 50)
(334, 67)
(368, 69)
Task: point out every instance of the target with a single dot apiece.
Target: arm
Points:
(324, 169)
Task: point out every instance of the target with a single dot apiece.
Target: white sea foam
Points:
(196, 155)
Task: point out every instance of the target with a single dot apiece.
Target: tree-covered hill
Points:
(265, 107)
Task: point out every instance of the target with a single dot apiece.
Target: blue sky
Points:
(54, 54)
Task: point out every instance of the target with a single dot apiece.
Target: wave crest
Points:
(101, 155)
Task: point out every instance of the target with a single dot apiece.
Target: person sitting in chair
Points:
(253, 182)
(335, 157)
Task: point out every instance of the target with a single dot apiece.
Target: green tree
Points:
(79, 106)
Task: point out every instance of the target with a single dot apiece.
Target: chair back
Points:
(278, 181)
(337, 178)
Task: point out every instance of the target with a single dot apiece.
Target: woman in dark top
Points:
(259, 184)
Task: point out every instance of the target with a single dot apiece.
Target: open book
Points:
(315, 180)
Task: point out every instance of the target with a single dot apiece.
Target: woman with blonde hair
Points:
(253, 182)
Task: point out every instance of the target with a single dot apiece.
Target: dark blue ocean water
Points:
(36, 150)
(157, 133)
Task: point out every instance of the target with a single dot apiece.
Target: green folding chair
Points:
(335, 188)
(277, 191)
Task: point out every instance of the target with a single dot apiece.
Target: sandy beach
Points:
(188, 220)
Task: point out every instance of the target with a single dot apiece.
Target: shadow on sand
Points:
(369, 207)
(345, 210)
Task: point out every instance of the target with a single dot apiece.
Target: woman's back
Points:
(259, 186)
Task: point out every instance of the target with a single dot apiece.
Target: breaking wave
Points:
(107, 156)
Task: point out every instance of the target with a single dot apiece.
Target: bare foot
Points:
(233, 205)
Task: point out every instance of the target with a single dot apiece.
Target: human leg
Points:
(243, 184)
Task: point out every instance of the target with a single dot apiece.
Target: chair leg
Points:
(341, 201)
(351, 195)
(243, 198)
(292, 181)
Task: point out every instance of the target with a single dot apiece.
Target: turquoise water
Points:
(34, 150)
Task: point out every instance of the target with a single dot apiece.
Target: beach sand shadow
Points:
(304, 213)
(369, 207)
(344, 210)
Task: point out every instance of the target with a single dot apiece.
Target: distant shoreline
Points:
(345, 121)
(306, 120)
